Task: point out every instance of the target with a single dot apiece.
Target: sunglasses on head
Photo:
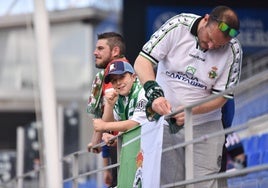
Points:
(226, 28)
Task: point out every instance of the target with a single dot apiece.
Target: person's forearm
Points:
(120, 126)
(209, 106)
(108, 113)
(144, 69)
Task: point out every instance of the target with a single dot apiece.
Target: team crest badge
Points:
(213, 73)
(138, 175)
(190, 71)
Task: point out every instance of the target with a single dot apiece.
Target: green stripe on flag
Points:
(129, 151)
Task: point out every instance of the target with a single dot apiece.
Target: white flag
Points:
(151, 147)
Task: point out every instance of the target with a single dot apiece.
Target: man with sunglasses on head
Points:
(197, 56)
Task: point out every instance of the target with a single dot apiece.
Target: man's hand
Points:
(93, 150)
(180, 117)
(157, 105)
(161, 106)
(106, 137)
(96, 139)
(176, 122)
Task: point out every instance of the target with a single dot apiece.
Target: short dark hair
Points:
(114, 39)
(225, 14)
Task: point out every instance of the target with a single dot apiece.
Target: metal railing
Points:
(255, 64)
(189, 141)
(245, 130)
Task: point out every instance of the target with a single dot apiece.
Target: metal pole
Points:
(189, 171)
(75, 170)
(48, 106)
(61, 136)
(99, 174)
(20, 156)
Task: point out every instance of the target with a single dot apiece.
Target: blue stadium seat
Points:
(234, 182)
(67, 184)
(244, 142)
(264, 160)
(264, 157)
(250, 183)
(253, 159)
(263, 183)
(252, 144)
(263, 142)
